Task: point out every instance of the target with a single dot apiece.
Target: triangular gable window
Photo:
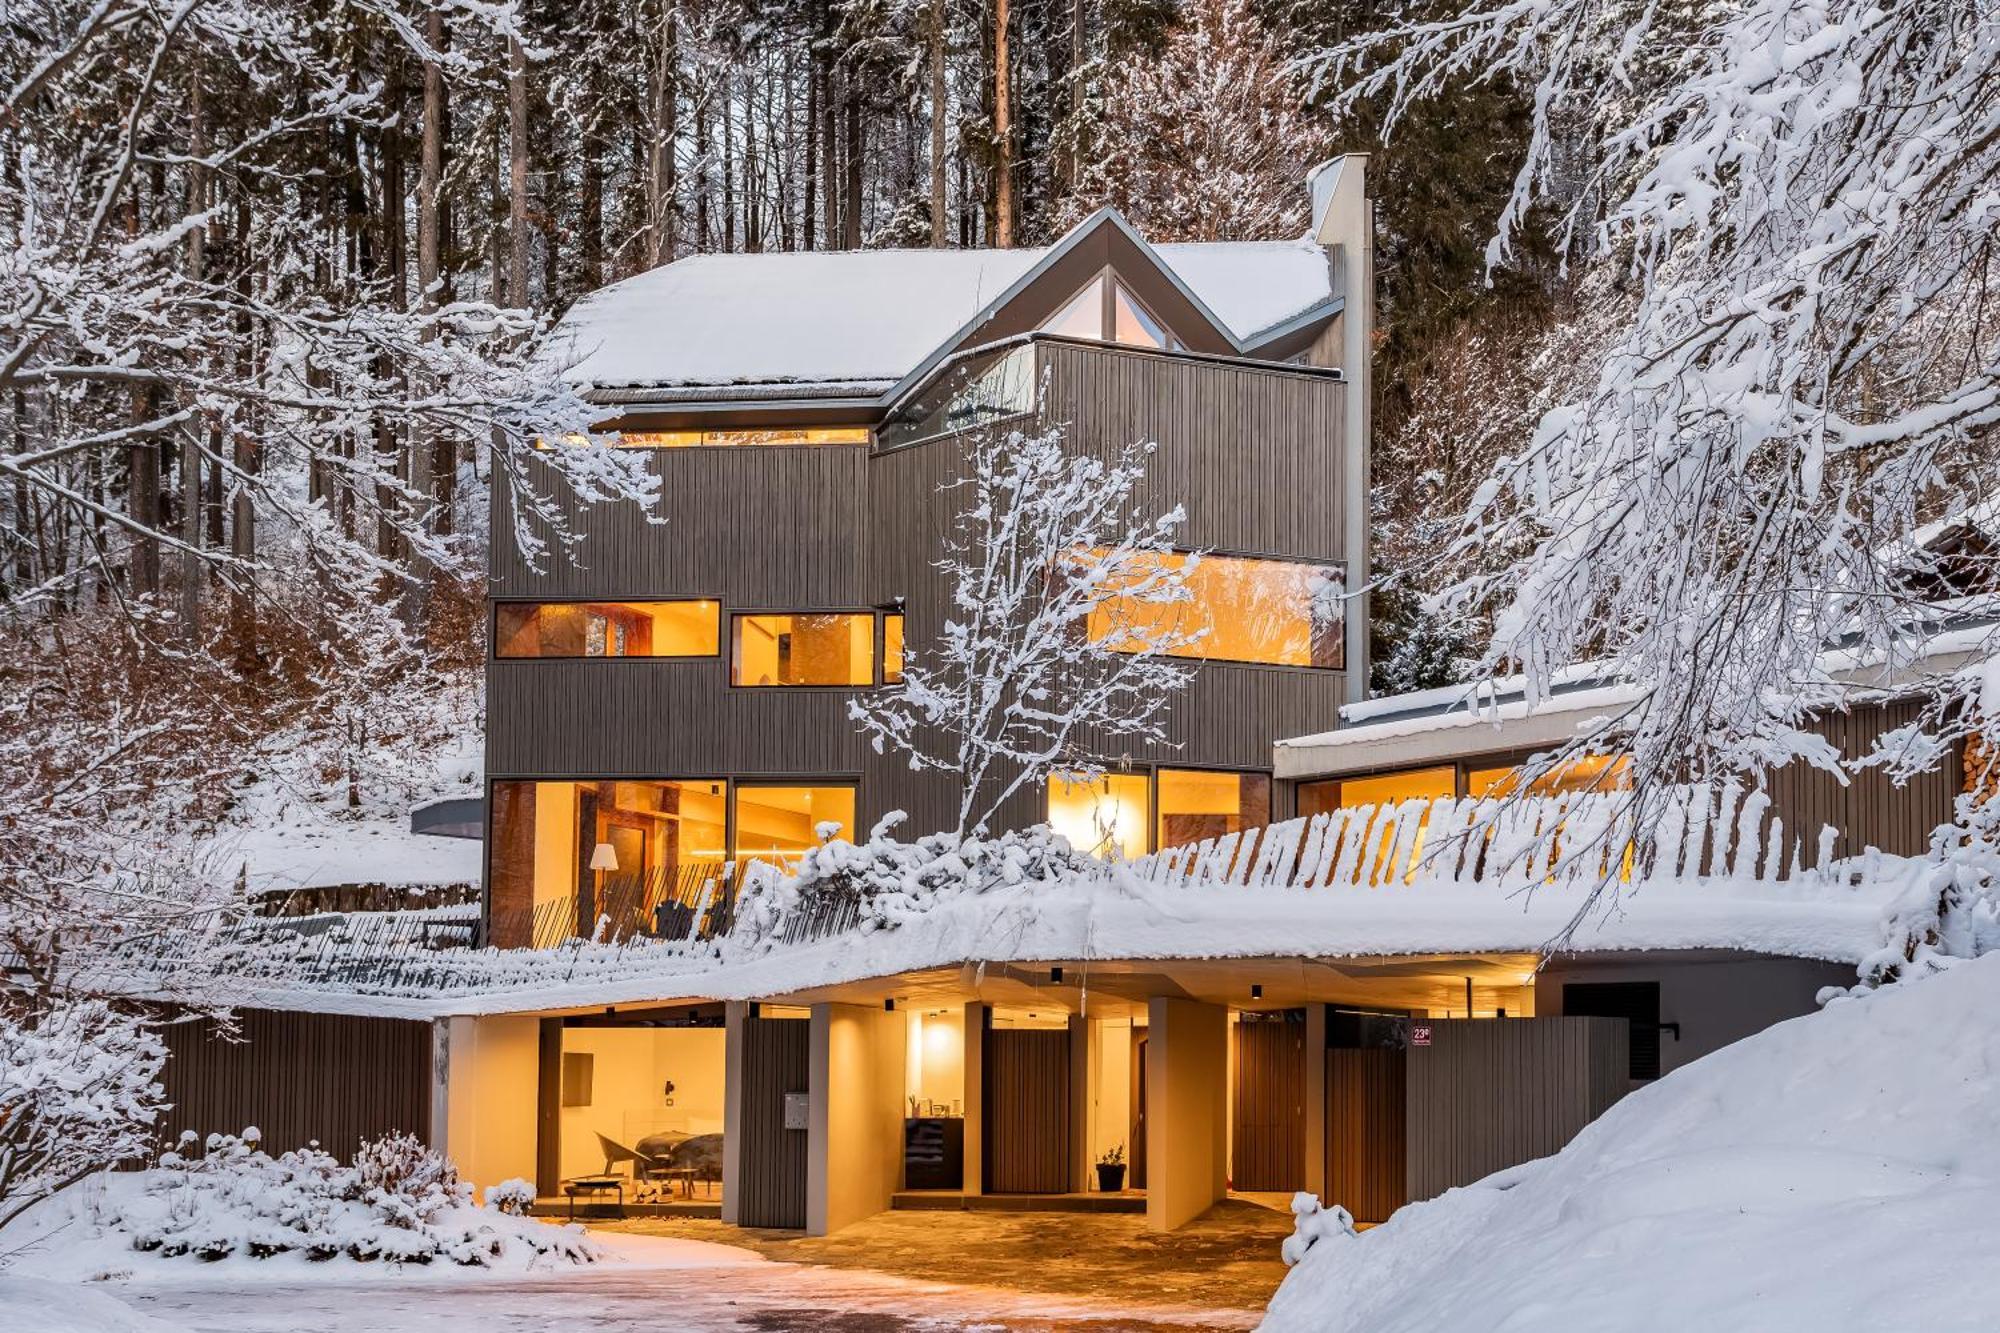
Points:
(1106, 312)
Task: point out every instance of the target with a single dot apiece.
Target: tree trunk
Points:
(851, 211)
(430, 189)
(590, 209)
(810, 213)
(517, 174)
(940, 109)
(1003, 136)
(197, 243)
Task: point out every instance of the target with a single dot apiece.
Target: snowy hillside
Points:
(1840, 1171)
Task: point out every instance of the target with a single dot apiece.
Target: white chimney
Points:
(1343, 222)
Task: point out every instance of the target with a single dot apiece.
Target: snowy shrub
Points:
(79, 1091)
(883, 882)
(398, 1202)
(511, 1197)
(1312, 1222)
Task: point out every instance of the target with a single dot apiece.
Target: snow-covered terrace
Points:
(1426, 877)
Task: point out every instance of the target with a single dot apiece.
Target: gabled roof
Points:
(859, 323)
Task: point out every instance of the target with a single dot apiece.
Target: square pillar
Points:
(854, 1142)
(1315, 1094)
(975, 1098)
(1187, 1110)
(735, 1014)
(1080, 1065)
(487, 1076)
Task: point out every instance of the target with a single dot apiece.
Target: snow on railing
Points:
(1581, 837)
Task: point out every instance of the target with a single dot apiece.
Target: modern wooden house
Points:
(678, 697)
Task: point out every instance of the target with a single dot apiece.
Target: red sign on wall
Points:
(1420, 1034)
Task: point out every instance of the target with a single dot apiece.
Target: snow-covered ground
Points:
(1839, 1171)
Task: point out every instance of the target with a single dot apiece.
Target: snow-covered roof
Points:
(865, 319)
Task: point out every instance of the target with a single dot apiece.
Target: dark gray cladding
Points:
(1252, 451)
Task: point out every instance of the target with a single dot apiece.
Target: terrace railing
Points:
(1582, 837)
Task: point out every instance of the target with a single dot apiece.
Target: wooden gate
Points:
(1365, 1149)
(1269, 1147)
(1026, 1111)
(771, 1177)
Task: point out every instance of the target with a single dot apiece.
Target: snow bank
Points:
(63, 1307)
(1839, 1171)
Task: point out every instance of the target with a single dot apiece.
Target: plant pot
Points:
(1110, 1177)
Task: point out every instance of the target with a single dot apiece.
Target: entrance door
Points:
(1269, 1149)
(1366, 1161)
(1026, 1111)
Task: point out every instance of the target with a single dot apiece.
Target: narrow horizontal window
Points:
(837, 648)
(1588, 773)
(737, 436)
(607, 629)
(1268, 612)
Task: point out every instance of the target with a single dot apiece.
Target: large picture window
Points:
(1106, 818)
(1131, 814)
(607, 629)
(782, 823)
(1194, 804)
(836, 648)
(1268, 612)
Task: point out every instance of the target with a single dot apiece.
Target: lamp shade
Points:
(603, 857)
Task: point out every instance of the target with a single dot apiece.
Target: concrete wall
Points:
(1187, 1110)
(1716, 1001)
(489, 1069)
(854, 1161)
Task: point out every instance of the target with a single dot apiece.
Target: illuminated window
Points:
(1194, 805)
(831, 649)
(1105, 311)
(780, 824)
(1103, 818)
(892, 648)
(1387, 791)
(1426, 784)
(688, 439)
(566, 853)
(1589, 773)
(1273, 612)
(607, 629)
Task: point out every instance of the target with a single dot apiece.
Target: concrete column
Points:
(1080, 1066)
(734, 1015)
(854, 1143)
(1315, 1180)
(975, 1098)
(488, 1071)
(1187, 1110)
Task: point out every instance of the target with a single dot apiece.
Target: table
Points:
(592, 1186)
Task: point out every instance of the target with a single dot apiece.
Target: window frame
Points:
(493, 627)
(875, 644)
(1107, 314)
(1315, 562)
(1151, 773)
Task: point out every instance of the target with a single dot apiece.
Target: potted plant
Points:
(1111, 1171)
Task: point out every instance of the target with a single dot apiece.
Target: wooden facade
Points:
(1366, 1155)
(771, 1184)
(1253, 451)
(1484, 1094)
(299, 1078)
(1268, 1143)
(1025, 1111)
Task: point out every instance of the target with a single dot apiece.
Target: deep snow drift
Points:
(1839, 1171)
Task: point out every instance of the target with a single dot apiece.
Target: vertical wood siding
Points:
(1868, 810)
(1269, 1143)
(1025, 1109)
(299, 1078)
(1252, 453)
(772, 1183)
(1493, 1093)
(1366, 1162)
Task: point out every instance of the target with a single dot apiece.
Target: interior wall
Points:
(492, 1069)
(935, 1067)
(630, 1068)
(555, 841)
(1110, 1089)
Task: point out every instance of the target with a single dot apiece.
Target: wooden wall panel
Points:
(1366, 1159)
(1025, 1111)
(772, 1181)
(1268, 1146)
(299, 1078)
(1869, 810)
(1493, 1093)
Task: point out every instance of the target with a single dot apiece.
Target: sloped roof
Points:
(865, 319)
